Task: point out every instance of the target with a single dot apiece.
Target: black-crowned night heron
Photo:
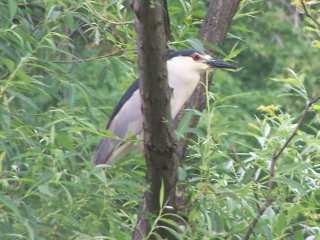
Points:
(184, 71)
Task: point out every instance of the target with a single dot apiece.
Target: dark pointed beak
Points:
(216, 63)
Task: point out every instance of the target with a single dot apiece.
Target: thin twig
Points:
(118, 23)
(237, 159)
(5, 74)
(306, 12)
(271, 174)
(275, 157)
(254, 221)
(89, 59)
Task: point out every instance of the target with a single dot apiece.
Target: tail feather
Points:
(104, 151)
(119, 152)
(110, 150)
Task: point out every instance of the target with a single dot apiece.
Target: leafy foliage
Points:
(63, 66)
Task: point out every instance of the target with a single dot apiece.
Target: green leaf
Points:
(27, 101)
(68, 194)
(290, 182)
(23, 77)
(217, 220)
(69, 20)
(185, 6)
(12, 6)
(5, 119)
(8, 63)
(299, 236)
(102, 74)
(184, 124)
(65, 141)
(316, 44)
(293, 167)
(54, 12)
(194, 214)
(161, 194)
(52, 134)
(196, 131)
(10, 204)
(173, 232)
(196, 44)
(126, 182)
(247, 176)
(182, 174)
(157, 236)
(96, 36)
(46, 176)
(291, 81)
(280, 223)
(266, 130)
(44, 188)
(316, 107)
(2, 155)
(262, 141)
(169, 221)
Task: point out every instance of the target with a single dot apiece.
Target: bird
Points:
(126, 121)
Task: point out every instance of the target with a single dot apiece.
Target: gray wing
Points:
(126, 122)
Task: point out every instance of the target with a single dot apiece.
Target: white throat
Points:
(183, 78)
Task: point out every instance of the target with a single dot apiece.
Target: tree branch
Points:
(309, 105)
(90, 59)
(275, 157)
(306, 12)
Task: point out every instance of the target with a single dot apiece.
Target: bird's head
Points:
(196, 61)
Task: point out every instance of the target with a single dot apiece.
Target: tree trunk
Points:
(159, 140)
(159, 143)
(214, 30)
(218, 20)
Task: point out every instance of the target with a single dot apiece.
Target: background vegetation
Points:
(64, 65)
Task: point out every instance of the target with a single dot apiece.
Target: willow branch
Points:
(275, 157)
(89, 59)
(308, 14)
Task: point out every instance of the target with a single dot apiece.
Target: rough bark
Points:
(214, 30)
(159, 141)
(166, 20)
(218, 20)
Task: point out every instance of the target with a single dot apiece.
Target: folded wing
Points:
(125, 122)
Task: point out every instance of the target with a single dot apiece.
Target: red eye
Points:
(196, 57)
